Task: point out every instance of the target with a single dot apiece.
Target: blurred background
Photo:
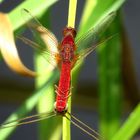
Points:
(19, 88)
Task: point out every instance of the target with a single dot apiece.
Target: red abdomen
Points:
(63, 87)
(67, 48)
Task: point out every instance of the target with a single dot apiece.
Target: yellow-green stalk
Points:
(71, 23)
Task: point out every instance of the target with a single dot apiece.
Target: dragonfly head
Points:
(69, 31)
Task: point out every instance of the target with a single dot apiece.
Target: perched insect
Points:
(67, 53)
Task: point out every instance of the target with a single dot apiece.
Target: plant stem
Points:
(72, 13)
(71, 23)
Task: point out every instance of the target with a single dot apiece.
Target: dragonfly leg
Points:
(68, 95)
(57, 91)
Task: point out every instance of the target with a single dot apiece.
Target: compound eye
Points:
(65, 31)
(74, 33)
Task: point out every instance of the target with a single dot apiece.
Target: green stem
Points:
(71, 22)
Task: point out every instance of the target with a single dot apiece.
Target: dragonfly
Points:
(67, 55)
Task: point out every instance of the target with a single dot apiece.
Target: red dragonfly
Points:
(68, 53)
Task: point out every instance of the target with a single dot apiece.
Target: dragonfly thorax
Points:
(67, 53)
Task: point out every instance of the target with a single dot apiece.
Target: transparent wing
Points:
(83, 54)
(90, 37)
(28, 120)
(46, 43)
(35, 26)
(51, 57)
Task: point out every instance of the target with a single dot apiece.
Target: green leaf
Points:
(110, 85)
(35, 7)
(94, 20)
(130, 127)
